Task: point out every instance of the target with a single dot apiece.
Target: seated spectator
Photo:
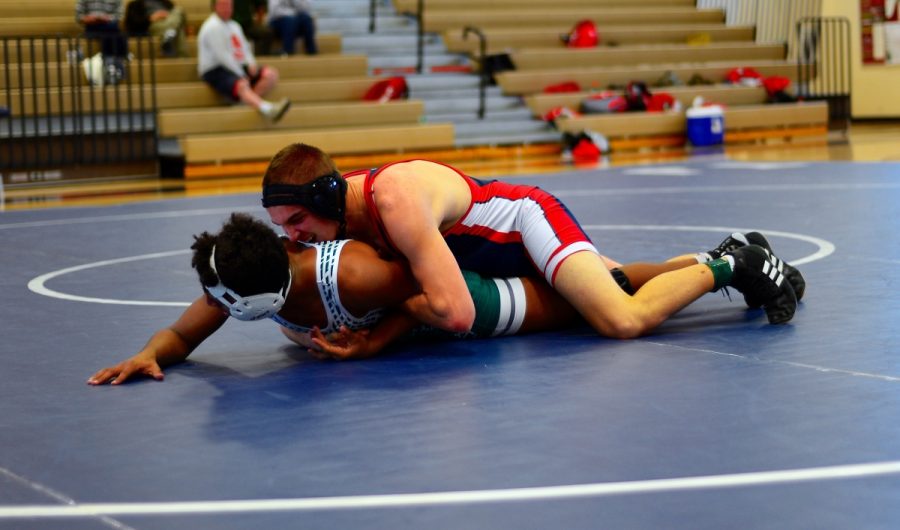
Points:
(290, 19)
(161, 19)
(100, 19)
(251, 15)
(226, 63)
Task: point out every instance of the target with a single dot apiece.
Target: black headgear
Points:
(324, 196)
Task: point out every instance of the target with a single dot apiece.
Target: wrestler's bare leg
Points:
(585, 282)
(640, 273)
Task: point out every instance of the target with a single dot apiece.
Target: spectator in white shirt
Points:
(227, 64)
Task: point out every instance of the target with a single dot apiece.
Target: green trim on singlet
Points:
(486, 296)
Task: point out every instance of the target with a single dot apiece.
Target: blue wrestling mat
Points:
(716, 420)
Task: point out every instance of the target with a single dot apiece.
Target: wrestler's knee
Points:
(624, 326)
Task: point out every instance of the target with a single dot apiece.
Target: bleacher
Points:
(645, 41)
(669, 45)
(326, 92)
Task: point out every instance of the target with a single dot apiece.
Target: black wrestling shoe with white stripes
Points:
(738, 240)
(756, 275)
(731, 243)
(790, 272)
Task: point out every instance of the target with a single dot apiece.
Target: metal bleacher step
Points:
(447, 86)
(437, 107)
(494, 115)
(360, 24)
(452, 93)
(343, 8)
(550, 136)
(489, 127)
(424, 83)
(397, 43)
(111, 123)
(379, 63)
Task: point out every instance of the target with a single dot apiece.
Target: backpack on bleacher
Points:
(102, 70)
(585, 146)
(562, 88)
(606, 102)
(387, 90)
(637, 96)
(583, 35)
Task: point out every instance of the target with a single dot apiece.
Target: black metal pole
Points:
(482, 55)
(372, 16)
(420, 42)
(8, 164)
(154, 108)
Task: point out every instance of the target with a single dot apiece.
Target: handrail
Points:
(482, 48)
(823, 65)
(68, 104)
(420, 41)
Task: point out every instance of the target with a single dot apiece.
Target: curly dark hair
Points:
(250, 256)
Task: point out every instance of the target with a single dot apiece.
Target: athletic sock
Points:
(722, 270)
(703, 257)
(265, 107)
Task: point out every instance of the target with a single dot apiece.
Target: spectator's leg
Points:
(307, 29)
(247, 95)
(286, 28)
(262, 38)
(112, 42)
(176, 23)
(268, 78)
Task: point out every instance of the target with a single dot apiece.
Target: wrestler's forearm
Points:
(440, 316)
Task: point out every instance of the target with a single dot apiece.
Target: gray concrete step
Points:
(389, 43)
(420, 83)
(448, 97)
(514, 139)
(338, 8)
(406, 61)
(449, 93)
(438, 107)
(493, 115)
(501, 128)
(360, 24)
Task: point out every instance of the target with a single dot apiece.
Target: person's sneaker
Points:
(738, 240)
(277, 111)
(168, 43)
(757, 275)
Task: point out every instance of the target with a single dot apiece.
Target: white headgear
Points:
(254, 307)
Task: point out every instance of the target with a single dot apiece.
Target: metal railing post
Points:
(482, 54)
(372, 9)
(823, 65)
(420, 41)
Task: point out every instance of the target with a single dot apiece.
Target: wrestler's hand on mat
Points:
(342, 344)
(118, 374)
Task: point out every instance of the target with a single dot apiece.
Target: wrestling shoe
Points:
(790, 272)
(738, 240)
(731, 243)
(755, 275)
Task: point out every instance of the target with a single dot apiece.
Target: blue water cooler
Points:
(706, 125)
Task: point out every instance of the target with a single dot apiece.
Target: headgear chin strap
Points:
(255, 307)
(324, 196)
